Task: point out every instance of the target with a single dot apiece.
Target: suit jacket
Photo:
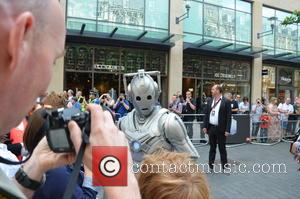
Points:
(224, 119)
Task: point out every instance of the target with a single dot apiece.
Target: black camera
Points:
(57, 132)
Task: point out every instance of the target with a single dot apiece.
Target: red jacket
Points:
(265, 121)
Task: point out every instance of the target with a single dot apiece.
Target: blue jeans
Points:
(255, 128)
(263, 135)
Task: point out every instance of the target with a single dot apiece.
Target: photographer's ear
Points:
(20, 36)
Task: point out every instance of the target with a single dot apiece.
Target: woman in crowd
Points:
(274, 132)
(244, 106)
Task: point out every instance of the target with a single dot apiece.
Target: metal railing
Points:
(270, 132)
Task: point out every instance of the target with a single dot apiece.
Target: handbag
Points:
(233, 128)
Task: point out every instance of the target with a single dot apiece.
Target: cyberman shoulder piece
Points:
(176, 134)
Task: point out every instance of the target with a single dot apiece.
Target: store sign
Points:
(265, 72)
(285, 77)
(285, 80)
(223, 75)
(108, 67)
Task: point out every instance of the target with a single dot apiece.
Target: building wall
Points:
(176, 53)
(257, 63)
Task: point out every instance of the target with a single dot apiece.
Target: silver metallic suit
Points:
(149, 127)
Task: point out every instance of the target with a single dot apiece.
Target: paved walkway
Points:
(252, 185)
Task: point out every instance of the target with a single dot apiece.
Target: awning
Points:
(217, 45)
(122, 32)
(283, 56)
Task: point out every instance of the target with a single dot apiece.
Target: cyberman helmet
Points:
(143, 91)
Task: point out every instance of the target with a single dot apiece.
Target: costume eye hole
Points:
(149, 97)
(138, 98)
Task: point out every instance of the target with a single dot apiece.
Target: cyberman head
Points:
(143, 92)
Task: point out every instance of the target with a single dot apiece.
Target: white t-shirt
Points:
(9, 170)
(287, 108)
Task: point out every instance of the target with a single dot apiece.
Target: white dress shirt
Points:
(214, 118)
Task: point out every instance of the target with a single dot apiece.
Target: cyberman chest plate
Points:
(150, 134)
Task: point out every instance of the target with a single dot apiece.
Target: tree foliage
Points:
(293, 19)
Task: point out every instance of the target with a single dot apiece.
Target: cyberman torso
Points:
(149, 132)
(154, 133)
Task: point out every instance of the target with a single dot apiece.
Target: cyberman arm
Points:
(176, 134)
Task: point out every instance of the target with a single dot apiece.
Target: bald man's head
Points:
(32, 36)
(38, 8)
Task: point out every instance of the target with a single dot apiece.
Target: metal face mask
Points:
(143, 89)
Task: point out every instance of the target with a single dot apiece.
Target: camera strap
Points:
(6, 161)
(76, 170)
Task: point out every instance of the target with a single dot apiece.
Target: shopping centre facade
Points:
(238, 43)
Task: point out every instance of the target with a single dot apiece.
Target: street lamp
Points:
(268, 32)
(186, 14)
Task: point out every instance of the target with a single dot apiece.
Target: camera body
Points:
(57, 132)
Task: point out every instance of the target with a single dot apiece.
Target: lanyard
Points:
(216, 103)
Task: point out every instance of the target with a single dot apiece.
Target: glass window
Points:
(219, 22)
(268, 85)
(297, 78)
(132, 60)
(78, 58)
(227, 70)
(285, 77)
(281, 15)
(104, 82)
(211, 68)
(211, 20)
(156, 61)
(242, 70)
(192, 66)
(157, 13)
(297, 83)
(193, 24)
(243, 6)
(223, 3)
(82, 9)
(268, 40)
(243, 27)
(119, 11)
(226, 24)
(268, 12)
(286, 37)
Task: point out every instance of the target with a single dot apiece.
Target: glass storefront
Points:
(88, 66)
(201, 72)
(226, 21)
(285, 38)
(129, 16)
(281, 82)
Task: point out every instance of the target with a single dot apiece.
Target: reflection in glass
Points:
(193, 24)
(243, 29)
(243, 6)
(223, 3)
(156, 13)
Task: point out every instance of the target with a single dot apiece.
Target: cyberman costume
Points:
(149, 127)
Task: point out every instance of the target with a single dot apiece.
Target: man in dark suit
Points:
(217, 123)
